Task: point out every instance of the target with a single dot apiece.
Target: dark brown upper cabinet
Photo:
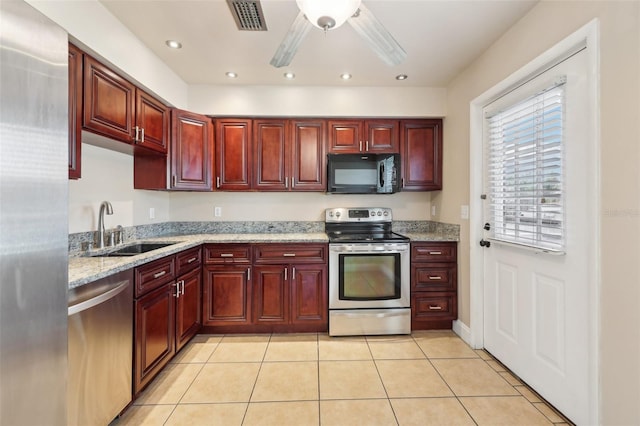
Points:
(421, 154)
(75, 111)
(363, 136)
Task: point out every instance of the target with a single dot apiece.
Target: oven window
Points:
(369, 276)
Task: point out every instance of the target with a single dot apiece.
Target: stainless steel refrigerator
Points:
(33, 217)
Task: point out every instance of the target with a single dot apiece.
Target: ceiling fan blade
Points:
(376, 35)
(292, 40)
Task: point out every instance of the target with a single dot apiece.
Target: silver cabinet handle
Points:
(159, 274)
(136, 136)
(286, 182)
(142, 135)
(293, 274)
(366, 146)
(289, 255)
(226, 254)
(435, 277)
(285, 274)
(217, 181)
(435, 253)
(360, 145)
(249, 274)
(435, 308)
(193, 259)
(177, 286)
(182, 285)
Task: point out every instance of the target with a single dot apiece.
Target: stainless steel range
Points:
(369, 282)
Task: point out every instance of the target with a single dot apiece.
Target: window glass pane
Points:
(369, 277)
(525, 171)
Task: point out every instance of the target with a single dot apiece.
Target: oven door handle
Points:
(378, 315)
(369, 249)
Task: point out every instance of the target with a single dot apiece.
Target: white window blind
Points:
(525, 171)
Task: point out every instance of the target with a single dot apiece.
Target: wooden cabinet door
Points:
(75, 111)
(270, 145)
(271, 294)
(226, 295)
(345, 136)
(308, 159)
(152, 123)
(191, 150)
(188, 307)
(382, 136)
(109, 102)
(233, 154)
(154, 331)
(309, 303)
(421, 151)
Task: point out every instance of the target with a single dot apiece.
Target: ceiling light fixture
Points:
(289, 75)
(346, 76)
(401, 77)
(328, 14)
(231, 74)
(174, 44)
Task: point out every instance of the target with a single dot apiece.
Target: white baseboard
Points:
(462, 330)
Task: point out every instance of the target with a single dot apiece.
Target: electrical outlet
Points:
(433, 210)
(217, 211)
(152, 213)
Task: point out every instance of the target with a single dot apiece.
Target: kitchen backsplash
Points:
(78, 241)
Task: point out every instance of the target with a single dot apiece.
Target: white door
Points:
(536, 300)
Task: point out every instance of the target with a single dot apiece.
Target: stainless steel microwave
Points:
(363, 173)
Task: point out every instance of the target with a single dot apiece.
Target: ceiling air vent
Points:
(248, 15)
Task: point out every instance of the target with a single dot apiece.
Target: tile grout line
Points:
(375, 364)
(445, 382)
(246, 410)
(318, 368)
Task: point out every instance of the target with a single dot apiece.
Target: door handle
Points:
(485, 243)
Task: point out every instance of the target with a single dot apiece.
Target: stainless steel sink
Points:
(134, 249)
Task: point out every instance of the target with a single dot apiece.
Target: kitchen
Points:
(619, 193)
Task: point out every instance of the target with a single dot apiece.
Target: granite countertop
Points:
(431, 236)
(84, 269)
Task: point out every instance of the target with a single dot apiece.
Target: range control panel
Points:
(358, 214)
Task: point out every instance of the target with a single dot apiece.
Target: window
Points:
(525, 171)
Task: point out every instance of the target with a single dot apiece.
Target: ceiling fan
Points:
(330, 14)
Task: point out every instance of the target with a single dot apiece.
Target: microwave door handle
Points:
(381, 173)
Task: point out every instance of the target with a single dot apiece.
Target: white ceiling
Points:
(441, 38)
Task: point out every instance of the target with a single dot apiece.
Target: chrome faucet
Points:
(109, 209)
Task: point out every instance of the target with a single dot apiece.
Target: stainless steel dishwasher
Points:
(100, 349)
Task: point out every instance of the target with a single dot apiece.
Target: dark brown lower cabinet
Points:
(265, 288)
(154, 334)
(167, 311)
(226, 296)
(434, 281)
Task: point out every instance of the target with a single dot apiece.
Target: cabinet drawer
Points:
(433, 252)
(188, 260)
(227, 253)
(154, 274)
(290, 253)
(427, 306)
(433, 277)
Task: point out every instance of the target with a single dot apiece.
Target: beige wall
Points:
(546, 24)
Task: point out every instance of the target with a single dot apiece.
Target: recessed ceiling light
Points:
(346, 76)
(174, 44)
(231, 74)
(401, 77)
(289, 75)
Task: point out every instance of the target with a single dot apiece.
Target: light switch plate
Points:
(464, 212)
(217, 211)
(152, 213)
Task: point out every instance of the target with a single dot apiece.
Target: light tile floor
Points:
(428, 378)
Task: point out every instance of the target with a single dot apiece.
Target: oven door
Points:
(369, 275)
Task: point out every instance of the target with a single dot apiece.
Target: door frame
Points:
(587, 36)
